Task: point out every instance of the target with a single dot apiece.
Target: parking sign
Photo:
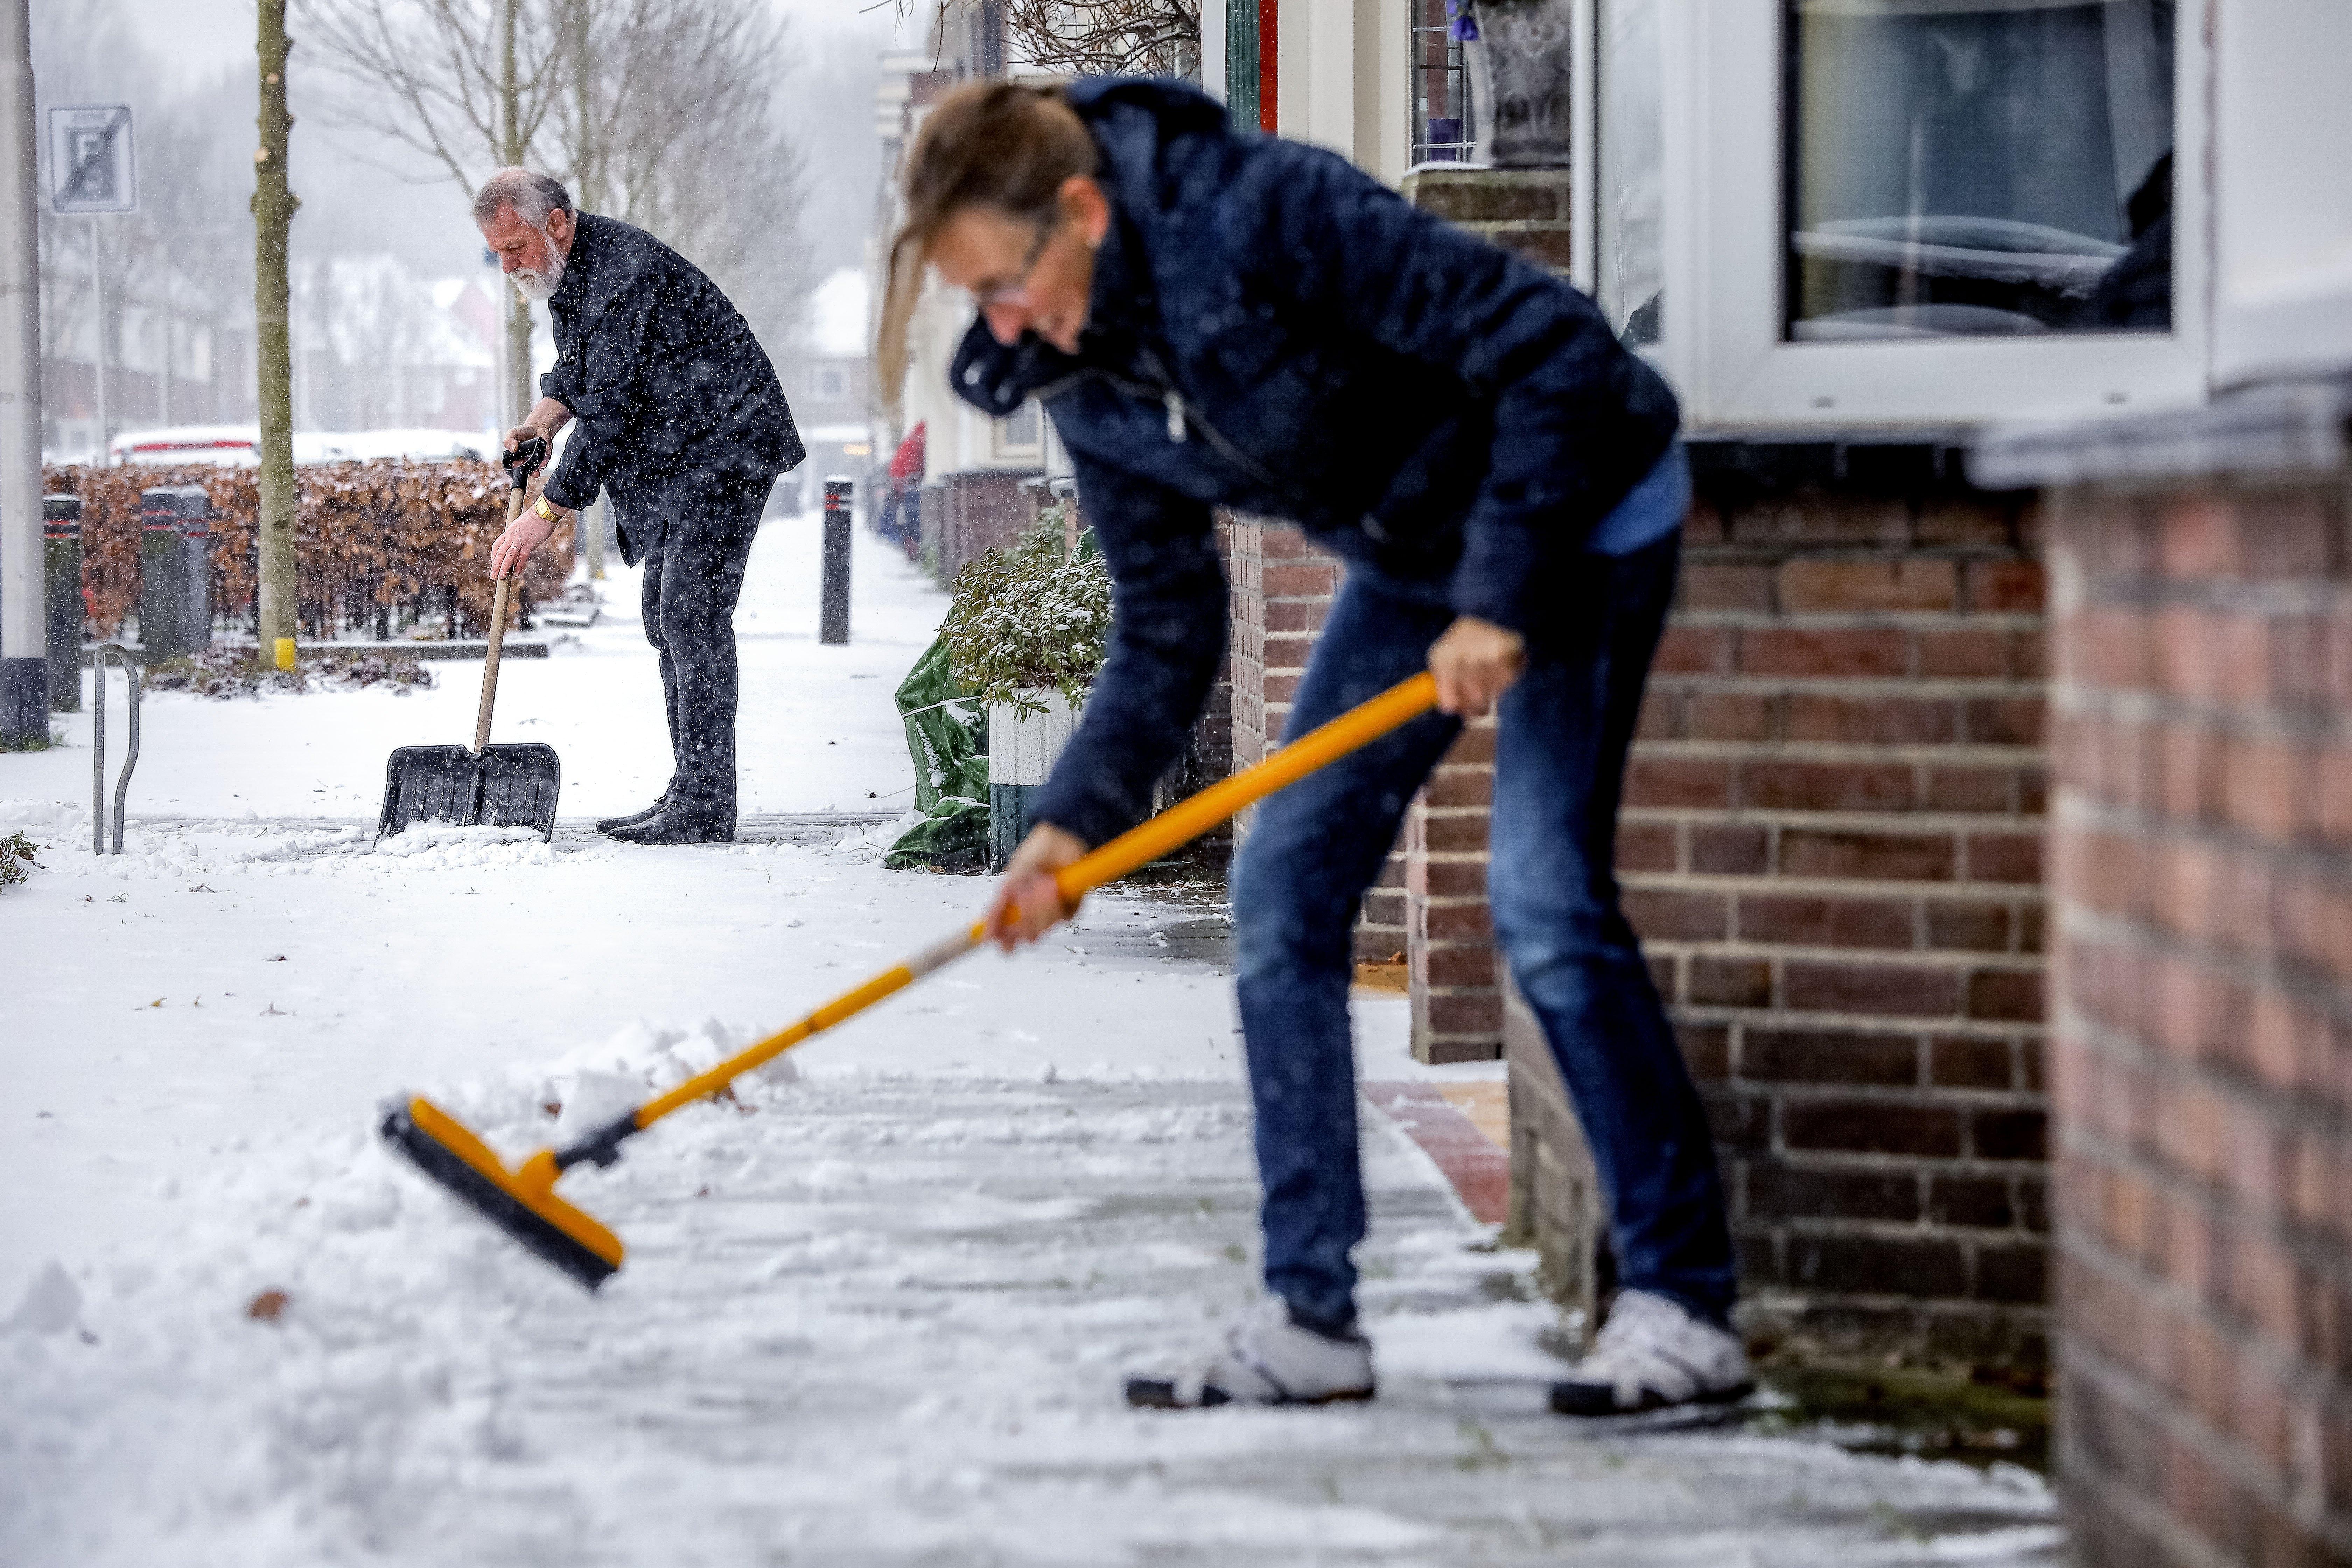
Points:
(90, 165)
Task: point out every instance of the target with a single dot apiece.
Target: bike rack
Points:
(97, 748)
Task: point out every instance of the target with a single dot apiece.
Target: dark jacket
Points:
(676, 404)
(1272, 331)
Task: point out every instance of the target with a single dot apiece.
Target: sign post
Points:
(93, 171)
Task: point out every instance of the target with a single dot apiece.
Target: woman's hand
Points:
(1028, 903)
(1475, 662)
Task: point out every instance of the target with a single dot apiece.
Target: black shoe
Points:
(668, 827)
(610, 823)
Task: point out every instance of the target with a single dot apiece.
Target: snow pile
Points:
(45, 821)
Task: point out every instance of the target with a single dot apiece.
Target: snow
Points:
(816, 732)
(838, 313)
(875, 1311)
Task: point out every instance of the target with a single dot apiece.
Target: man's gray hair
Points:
(533, 195)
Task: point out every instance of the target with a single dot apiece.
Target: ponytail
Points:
(992, 144)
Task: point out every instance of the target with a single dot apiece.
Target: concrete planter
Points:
(1022, 749)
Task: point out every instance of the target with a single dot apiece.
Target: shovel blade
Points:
(499, 786)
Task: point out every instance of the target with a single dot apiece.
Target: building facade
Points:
(985, 479)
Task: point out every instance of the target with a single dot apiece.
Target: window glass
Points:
(1979, 167)
(1020, 430)
(1441, 114)
(1628, 261)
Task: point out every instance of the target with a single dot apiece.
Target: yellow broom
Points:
(522, 1201)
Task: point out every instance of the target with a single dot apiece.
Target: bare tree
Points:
(671, 124)
(659, 113)
(1107, 37)
(470, 84)
(273, 222)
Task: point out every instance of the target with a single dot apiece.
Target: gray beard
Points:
(538, 286)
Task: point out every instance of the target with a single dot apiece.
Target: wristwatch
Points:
(544, 510)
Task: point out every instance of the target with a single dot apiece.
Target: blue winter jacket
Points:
(1272, 331)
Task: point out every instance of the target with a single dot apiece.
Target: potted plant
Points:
(1027, 632)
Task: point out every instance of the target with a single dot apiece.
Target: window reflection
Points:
(1980, 167)
(1632, 163)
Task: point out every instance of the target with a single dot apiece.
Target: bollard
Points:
(833, 623)
(61, 581)
(197, 569)
(175, 572)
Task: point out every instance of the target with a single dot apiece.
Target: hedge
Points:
(378, 546)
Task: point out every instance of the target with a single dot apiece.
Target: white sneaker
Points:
(1269, 1360)
(1652, 1354)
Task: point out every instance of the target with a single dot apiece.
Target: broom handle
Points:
(498, 639)
(1191, 817)
(1179, 824)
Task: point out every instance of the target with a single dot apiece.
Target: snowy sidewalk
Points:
(879, 1313)
(871, 1319)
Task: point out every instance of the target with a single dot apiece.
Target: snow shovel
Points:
(505, 787)
(521, 1200)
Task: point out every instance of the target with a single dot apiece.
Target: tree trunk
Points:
(588, 195)
(518, 397)
(519, 389)
(587, 186)
(273, 218)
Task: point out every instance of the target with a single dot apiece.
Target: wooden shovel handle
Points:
(498, 639)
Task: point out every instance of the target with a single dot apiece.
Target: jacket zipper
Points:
(1182, 416)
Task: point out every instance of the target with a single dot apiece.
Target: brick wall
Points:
(2202, 880)
(963, 514)
(1282, 586)
(1428, 910)
(1832, 847)
(1429, 907)
(1455, 970)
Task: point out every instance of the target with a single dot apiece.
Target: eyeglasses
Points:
(997, 294)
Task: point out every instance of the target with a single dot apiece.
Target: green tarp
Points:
(947, 735)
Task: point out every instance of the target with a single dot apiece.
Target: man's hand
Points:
(1028, 904)
(546, 417)
(1475, 662)
(524, 535)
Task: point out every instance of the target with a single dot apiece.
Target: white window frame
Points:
(1723, 347)
(2283, 271)
(1004, 448)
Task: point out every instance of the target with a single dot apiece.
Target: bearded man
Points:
(680, 418)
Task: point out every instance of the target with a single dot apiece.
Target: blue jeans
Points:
(1315, 848)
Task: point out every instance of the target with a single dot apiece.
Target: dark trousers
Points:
(693, 577)
(1316, 847)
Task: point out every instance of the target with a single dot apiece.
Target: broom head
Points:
(522, 1202)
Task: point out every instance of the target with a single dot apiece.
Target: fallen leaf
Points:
(266, 1306)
